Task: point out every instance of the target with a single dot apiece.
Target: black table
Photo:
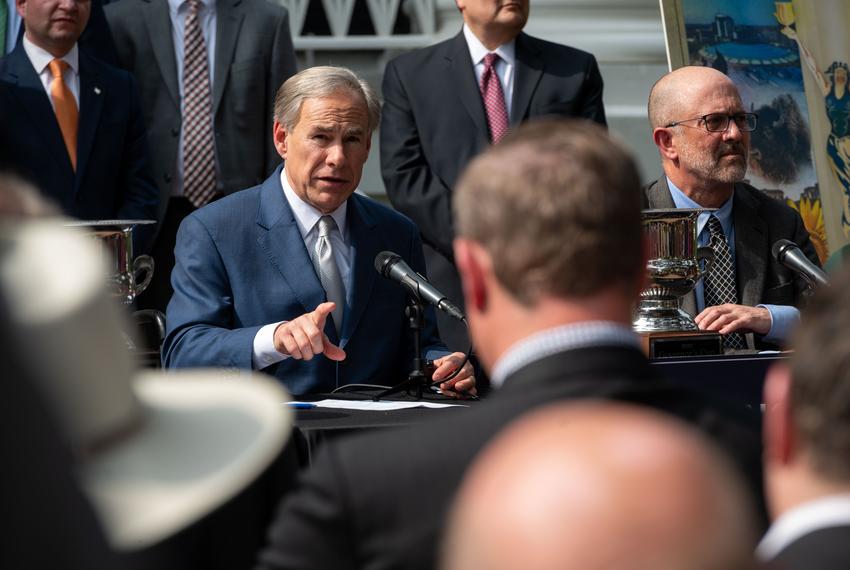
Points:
(315, 425)
(734, 377)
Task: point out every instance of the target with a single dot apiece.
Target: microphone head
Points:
(779, 248)
(384, 262)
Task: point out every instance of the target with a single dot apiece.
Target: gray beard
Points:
(709, 169)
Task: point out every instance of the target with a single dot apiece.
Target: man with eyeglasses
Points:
(702, 132)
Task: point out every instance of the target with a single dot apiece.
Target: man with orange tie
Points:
(71, 123)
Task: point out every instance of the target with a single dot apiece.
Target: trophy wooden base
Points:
(672, 344)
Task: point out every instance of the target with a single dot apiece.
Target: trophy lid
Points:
(109, 223)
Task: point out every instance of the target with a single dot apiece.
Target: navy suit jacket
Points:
(241, 263)
(112, 178)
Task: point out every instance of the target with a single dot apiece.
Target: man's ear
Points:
(778, 429)
(473, 265)
(21, 7)
(663, 139)
(279, 137)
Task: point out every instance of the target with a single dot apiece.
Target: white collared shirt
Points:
(306, 218)
(802, 520)
(40, 60)
(558, 339)
(177, 12)
(504, 68)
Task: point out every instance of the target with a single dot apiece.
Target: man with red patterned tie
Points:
(71, 123)
(446, 103)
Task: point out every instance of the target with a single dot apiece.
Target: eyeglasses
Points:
(719, 122)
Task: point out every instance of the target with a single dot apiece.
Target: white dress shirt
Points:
(40, 60)
(802, 520)
(177, 12)
(504, 67)
(307, 218)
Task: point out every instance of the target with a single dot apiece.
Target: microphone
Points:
(392, 266)
(789, 254)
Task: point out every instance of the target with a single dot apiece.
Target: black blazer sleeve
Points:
(412, 186)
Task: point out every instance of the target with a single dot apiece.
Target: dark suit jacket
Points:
(254, 55)
(759, 221)
(824, 549)
(434, 123)
(242, 264)
(379, 502)
(112, 178)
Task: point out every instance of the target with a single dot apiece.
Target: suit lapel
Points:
(36, 104)
(158, 23)
(230, 14)
(281, 241)
(658, 196)
(750, 245)
(462, 76)
(91, 105)
(365, 245)
(529, 70)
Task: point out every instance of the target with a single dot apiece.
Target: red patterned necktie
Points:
(494, 99)
(198, 145)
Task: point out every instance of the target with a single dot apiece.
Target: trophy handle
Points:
(143, 263)
(704, 254)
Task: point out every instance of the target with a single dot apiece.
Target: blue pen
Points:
(301, 405)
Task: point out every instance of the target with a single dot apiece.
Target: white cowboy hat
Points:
(157, 451)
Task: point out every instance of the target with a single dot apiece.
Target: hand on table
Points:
(461, 385)
(729, 318)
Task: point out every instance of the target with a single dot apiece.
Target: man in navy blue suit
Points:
(71, 123)
(281, 278)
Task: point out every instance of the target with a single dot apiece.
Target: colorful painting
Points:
(755, 44)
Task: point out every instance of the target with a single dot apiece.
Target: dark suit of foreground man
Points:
(246, 294)
(704, 166)
(96, 167)
(435, 121)
(807, 459)
(545, 331)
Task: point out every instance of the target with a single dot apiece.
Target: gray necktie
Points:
(328, 271)
(720, 281)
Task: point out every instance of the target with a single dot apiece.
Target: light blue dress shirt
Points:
(782, 317)
(13, 27)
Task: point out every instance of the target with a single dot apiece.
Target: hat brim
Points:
(207, 435)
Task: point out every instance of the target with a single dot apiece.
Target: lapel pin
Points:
(97, 90)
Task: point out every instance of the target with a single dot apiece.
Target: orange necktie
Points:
(65, 107)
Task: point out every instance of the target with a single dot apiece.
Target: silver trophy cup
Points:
(674, 267)
(128, 276)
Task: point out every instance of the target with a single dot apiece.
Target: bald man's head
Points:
(585, 486)
(673, 96)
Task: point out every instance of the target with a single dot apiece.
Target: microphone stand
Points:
(415, 312)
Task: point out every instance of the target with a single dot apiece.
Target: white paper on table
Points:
(381, 405)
